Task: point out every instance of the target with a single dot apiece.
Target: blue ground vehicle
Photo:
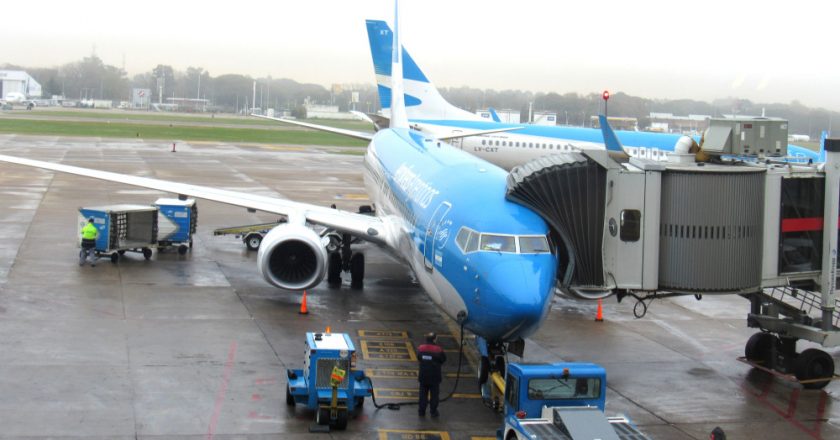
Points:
(327, 383)
(560, 401)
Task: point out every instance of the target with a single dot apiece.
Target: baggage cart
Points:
(122, 228)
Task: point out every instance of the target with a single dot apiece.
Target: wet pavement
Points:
(196, 346)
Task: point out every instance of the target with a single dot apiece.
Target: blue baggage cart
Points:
(122, 228)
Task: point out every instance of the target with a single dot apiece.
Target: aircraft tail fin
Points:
(494, 115)
(611, 142)
(422, 99)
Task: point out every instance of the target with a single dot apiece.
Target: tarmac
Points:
(197, 346)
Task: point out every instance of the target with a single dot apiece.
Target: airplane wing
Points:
(366, 227)
(369, 136)
(351, 133)
(465, 134)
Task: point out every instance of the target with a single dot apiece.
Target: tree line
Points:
(91, 78)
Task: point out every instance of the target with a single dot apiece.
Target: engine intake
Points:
(292, 257)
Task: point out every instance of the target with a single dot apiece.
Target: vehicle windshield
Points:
(498, 243)
(533, 244)
(568, 388)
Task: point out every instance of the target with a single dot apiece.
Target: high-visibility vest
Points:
(89, 232)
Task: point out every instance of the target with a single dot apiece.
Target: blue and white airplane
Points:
(485, 261)
(430, 113)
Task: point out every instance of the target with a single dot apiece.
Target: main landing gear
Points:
(341, 257)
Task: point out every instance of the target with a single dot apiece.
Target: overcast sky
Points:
(706, 49)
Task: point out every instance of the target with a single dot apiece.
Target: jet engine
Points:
(292, 257)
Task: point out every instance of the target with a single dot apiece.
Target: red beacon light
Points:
(606, 95)
(521, 414)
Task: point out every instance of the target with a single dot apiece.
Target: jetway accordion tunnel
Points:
(704, 234)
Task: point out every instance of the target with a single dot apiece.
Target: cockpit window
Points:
(533, 244)
(467, 240)
(498, 243)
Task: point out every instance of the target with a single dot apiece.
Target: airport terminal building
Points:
(18, 81)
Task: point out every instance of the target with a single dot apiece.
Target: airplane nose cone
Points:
(522, 293)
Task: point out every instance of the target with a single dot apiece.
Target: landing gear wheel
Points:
(334, 269)
(483, 370)
(182, 249)
(357, 270)
(759, 348)
(814, 364)
(341, 420)
(290, 400)
(115, 257)
(253, 241)
(147, 253)
(322, 417)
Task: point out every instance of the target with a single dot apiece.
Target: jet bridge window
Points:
(498, 243)
(568, 388)
(631, 225)
(533, 244)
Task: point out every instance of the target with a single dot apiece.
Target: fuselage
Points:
(511, 148)
(479, 256)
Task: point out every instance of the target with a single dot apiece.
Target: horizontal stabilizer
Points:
(344, 132)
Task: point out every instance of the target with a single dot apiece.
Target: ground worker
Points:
(431, 357)
(89, 235)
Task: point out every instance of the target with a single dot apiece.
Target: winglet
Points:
(822, 145)
(494, 115)
(399, 118)
(611, 142)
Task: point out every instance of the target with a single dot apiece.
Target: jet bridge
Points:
(765, 230)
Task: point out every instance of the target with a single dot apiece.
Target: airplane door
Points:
(436, 227)
(457, 142)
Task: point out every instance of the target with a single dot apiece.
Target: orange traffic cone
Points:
(599, 316)
(303, 310)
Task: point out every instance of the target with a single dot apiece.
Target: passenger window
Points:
(504, 143)
(483, 141)
(463, 235)
(498, 243)
(533, 245)
(517, 144)
(530, 145)
(631, 225)
(497, 143)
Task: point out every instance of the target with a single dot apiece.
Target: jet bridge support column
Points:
(829, 253)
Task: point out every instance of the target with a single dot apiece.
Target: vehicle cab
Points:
(530, 387)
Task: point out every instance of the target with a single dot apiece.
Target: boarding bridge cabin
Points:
(734, 218)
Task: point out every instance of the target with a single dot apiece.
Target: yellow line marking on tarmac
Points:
(403, 352)
(413, 393)
(391, 373)
(404, 434)
(384, 334)
(482, 438)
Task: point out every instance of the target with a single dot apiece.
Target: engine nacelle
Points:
(292, 257)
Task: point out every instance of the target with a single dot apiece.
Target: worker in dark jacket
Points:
(431, 357)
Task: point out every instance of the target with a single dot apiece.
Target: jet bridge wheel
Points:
(357, 270)
(814, 364)
(759, 348)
